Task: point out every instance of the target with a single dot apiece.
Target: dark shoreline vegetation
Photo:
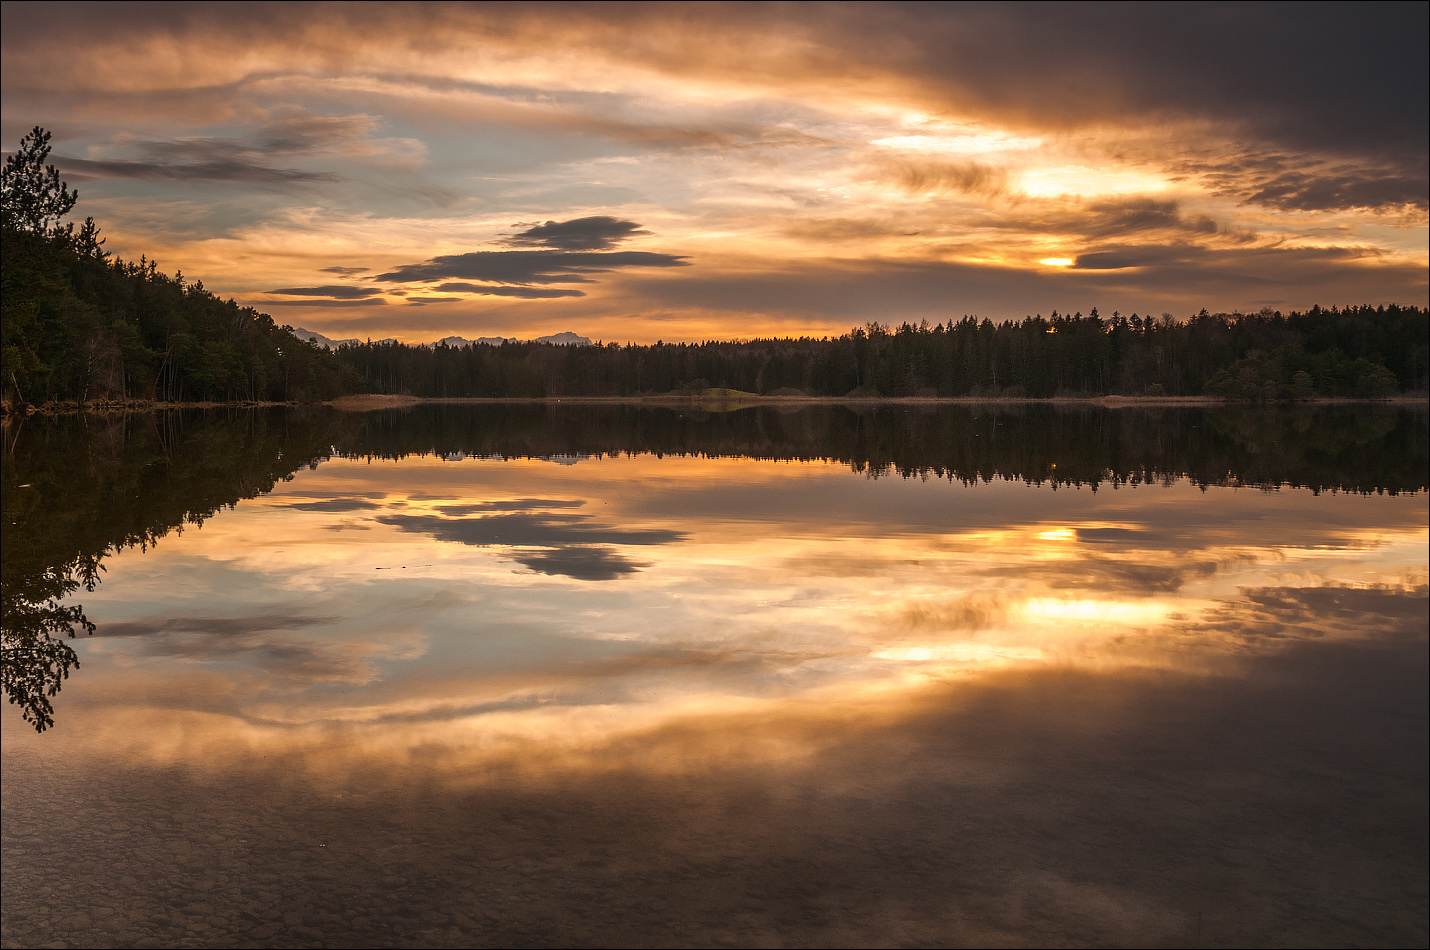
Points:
(84, 328)
(80, 325)
(77, 488)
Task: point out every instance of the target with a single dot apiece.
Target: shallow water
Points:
(538, 676)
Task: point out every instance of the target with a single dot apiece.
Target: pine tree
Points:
(32, 196)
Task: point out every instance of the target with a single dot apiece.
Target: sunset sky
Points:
(694, 171)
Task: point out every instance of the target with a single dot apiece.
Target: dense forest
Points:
(81, 325)
(1356, 352)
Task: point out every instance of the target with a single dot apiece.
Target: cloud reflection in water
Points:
(856, 595)
(665, 685)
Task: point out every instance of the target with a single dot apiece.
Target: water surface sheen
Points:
(545, 675)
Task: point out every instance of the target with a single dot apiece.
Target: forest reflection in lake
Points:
(605, 675)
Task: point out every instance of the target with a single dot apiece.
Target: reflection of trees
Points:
(78, 488)
(35, 660)
(1342, 448)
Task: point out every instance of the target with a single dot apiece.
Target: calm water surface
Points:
(561, 676)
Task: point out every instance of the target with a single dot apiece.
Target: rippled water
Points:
(609, 676)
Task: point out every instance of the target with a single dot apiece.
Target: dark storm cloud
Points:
(529, 267)
(595, 233)
(335, 291)
(584, 563)
(530, 293)
(520, 529)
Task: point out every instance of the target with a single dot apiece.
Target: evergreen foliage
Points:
(80, 324)
(1359, 352)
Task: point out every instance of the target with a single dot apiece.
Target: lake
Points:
(538, 674)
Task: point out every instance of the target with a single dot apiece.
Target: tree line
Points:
(1355, 352)
(82, 325)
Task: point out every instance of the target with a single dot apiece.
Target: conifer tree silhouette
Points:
(32, 195)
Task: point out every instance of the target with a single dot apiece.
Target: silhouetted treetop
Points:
(32, 196)
(80, 325)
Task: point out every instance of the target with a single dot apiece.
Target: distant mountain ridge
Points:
(565, 338)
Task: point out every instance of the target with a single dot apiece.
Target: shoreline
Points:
(710, 399)
(108, 407)
(753, 399)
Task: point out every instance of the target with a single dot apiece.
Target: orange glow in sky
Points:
(720, 171)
